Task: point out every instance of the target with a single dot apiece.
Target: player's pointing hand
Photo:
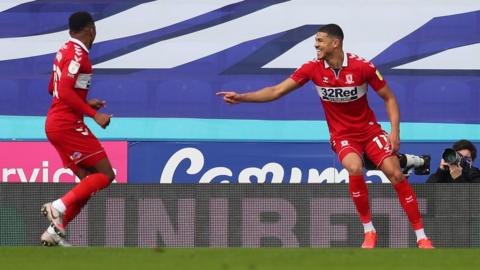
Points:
(230, 97)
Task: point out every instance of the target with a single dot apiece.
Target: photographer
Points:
(456, 165)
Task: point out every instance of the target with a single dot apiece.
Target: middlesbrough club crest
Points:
(349, 78)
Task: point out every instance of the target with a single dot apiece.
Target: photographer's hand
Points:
(455, 171)
(443, 165)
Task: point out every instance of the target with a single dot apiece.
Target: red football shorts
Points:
(375, 145)
(77, 147)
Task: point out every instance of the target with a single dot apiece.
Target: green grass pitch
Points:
(37, 258)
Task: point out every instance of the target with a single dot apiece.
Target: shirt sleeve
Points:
(374, 78)
(303, 74)
(66, 92)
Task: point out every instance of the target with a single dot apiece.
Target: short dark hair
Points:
(79, 20)
(466, 144)
(332, 30)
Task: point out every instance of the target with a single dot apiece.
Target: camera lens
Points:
(450, 156)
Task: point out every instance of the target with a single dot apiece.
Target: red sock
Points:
(73, 211)
(408, 201)
(82, 192)
(359, 193)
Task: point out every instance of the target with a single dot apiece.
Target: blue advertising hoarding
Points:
(251, 162)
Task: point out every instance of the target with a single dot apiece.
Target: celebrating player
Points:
(78, 148)
(341, 82)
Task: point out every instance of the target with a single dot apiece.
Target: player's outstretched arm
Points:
(266, 94)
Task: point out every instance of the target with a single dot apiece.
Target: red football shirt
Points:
(69, 83)
(344, 94)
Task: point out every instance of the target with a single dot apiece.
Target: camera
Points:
(452, 157)
(419, 164)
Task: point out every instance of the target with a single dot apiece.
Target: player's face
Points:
(324, 45)
(92, 33)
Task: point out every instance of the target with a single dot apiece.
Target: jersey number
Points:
(379, 143)
(56, 78)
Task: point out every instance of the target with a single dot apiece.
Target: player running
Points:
(341, 82)
(78, 148)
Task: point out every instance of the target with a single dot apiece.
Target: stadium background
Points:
(158, 65)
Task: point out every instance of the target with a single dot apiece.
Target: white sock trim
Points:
(420, 234)
(59, 206)
(367, 227)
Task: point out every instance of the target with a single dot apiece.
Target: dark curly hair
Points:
(466, 144)
(79, 20)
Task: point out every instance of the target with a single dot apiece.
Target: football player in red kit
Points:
(78, 148)
(341, 82)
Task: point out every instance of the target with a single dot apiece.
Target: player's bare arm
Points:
(266, 94)
(393, 114)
